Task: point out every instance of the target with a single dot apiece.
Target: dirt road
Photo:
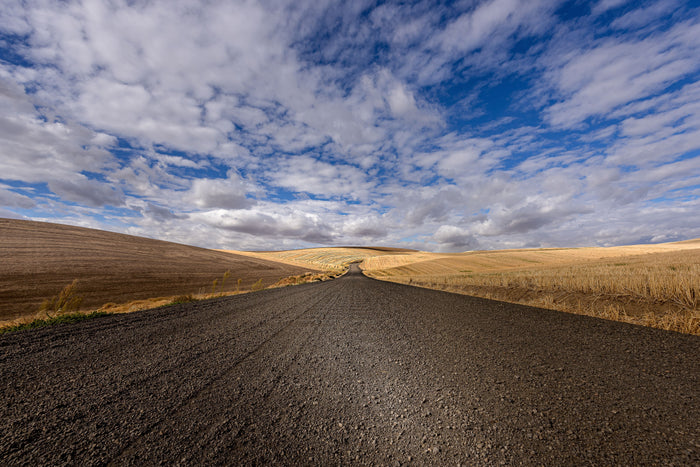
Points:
(352, 371)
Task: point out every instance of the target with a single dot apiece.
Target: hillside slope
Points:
(38, 259)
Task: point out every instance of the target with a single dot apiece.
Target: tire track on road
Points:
(211, 382)
(143, 375)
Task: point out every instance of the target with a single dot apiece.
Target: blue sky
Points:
(445, 126)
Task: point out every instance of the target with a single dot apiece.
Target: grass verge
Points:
(43, 322)
(157, 302)
(308, 277)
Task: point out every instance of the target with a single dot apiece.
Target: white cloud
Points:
(465, 160)
(472, 29)
(229, 193)
(644, 16)
(12, 199)
(36, 148)
(308, 175)
(455, 238)
(490, 25)
(88, 192)
(478, 124)
(604, 5)
(532, 214)
(423, 205)
(401, 102)
(614, 73)
(368, 229)
(288, 223)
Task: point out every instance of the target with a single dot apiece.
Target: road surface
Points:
(352, 371)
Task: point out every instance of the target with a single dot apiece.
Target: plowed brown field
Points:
(38, 259)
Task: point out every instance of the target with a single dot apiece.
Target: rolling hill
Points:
(38, 259)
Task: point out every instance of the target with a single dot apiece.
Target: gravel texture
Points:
(352, 371)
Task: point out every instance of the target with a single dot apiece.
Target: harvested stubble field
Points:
(37, 260)
(327, 259)
(652, 285)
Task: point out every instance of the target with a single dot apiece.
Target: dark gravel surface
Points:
(352, 371)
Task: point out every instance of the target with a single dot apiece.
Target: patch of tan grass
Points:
(23, 320)
(500, 260)
(651, 285)
(306, 278)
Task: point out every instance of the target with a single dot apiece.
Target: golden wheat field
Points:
(652, 285)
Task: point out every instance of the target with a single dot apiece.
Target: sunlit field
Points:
(652, 285)
(329, 259)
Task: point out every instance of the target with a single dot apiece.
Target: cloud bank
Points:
(274, 124)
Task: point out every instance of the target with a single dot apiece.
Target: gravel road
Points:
(352, 371)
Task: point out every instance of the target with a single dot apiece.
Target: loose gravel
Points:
(352, 371)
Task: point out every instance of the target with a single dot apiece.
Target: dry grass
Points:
(652, 285)
(156, 302)
(118, 308)
(306, 278)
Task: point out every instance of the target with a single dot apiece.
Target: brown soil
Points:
(38, 259)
